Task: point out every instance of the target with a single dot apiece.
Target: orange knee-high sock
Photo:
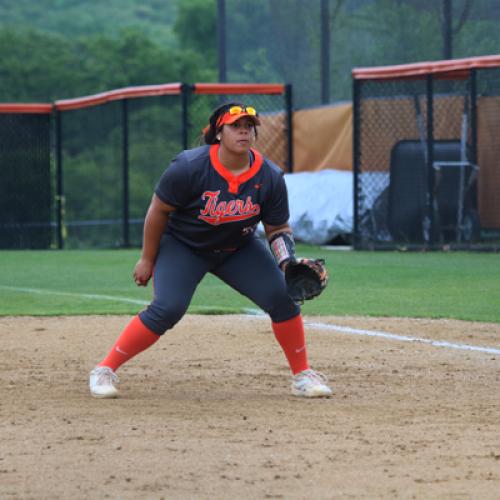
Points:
(134, 339)
(290, 335)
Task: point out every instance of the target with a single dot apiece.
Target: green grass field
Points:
(457, 285)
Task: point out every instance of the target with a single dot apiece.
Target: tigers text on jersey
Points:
(215, 209)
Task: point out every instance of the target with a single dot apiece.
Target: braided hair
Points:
(211, 130)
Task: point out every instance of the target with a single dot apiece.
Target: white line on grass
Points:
(113, 298)
(258, 314)
(79, 295)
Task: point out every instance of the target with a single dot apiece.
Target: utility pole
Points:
(221, 39)
(325, 51)
(447, 29)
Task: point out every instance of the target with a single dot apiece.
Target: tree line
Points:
(139, 42)
(42, 66)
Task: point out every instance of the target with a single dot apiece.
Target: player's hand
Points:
(285, 263)
(143, 272)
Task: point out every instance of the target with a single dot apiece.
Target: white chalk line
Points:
(395, 336)
(402, 338)
(78, 295)
(114, 298)
(258, 314)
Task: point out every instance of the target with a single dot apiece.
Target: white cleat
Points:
(101, 382)
(310, 384)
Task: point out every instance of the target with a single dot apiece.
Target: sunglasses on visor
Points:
(238, 110)
(234, 112)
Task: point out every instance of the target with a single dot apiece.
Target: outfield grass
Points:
(457, 285)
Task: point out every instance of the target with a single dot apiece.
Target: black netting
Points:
(112, 156)
(427, 188)
(392, 118)
(91, 142)
(25, 181)
(280, 40)
(275, 41)
(155, 138)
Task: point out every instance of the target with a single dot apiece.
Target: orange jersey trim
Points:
(235, 181)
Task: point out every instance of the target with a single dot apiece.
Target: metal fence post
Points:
(430, 160)
(473, 114)
(125, 173)
(356, 84)
(221, 40)
(59, 182)
(325, 51)
(185, 89)
(289, 125)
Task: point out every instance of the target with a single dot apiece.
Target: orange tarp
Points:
(322, 138)
(487, 159)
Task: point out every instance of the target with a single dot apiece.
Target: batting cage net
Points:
(425, 169)
(25, 178)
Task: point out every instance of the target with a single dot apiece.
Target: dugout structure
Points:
(425, 155)
(80, 173)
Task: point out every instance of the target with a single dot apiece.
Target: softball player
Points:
(202, 218)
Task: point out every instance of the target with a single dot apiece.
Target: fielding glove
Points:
(305, 278)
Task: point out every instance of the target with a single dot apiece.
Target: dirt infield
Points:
(206, 413)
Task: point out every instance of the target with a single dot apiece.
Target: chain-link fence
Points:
(25, 177)
(111, 155)
(425, 168)
(154, 138)
(110, 150)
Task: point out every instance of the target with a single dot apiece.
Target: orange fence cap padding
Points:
(457, 67)
(144, 91)
(239, 88)
(114, 95)
(35, 108)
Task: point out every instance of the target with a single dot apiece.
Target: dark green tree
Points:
(196, 30)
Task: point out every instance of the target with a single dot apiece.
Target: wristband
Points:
(282, 247)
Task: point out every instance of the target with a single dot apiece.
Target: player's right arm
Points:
(154, 225)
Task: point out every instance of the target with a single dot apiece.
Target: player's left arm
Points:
(272, 230)
(275, 218)
(282, 244)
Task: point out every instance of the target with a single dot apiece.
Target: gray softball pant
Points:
(251, 270)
